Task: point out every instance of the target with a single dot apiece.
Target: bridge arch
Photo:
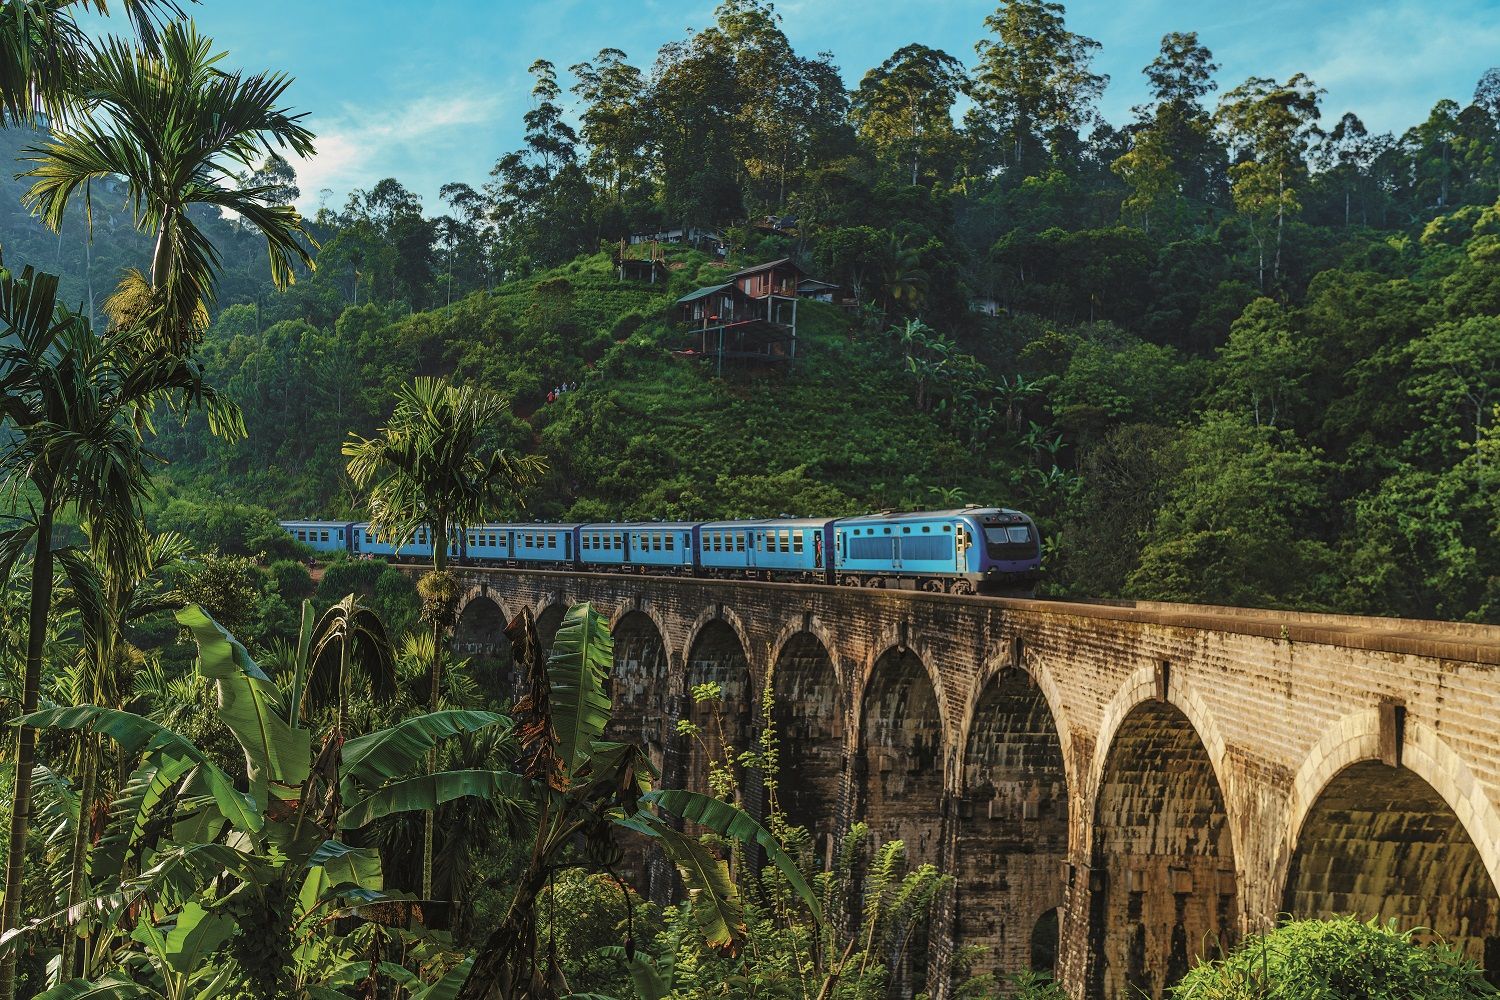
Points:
(718, 652)
(479, 634)
(1013, 817)
(549, 612)
(1164, 885)
(1416, 840)
(810, 710)
(641, 695)
(903, 750)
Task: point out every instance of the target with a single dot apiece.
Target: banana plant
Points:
(206, 887)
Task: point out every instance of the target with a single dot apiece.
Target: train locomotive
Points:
(967, 551)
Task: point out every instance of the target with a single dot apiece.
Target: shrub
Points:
(1345, 958)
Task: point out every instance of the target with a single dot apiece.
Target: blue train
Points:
(973, 550)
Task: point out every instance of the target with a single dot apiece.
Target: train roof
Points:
(642, 525)
(298, 522)
(767, 522)
(916, 515)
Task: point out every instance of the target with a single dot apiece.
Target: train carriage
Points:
(369, 542)
(543, 544)
(488, 544)
(642, 546)
(770, 548)
(321, 536)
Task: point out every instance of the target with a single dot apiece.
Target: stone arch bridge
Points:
(1118, 788)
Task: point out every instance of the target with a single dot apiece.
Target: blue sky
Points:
(434, 92)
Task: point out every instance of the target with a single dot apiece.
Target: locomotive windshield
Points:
(1016, 534)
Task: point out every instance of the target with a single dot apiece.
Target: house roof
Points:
(768, 265)
(814, 283)
(704, 293)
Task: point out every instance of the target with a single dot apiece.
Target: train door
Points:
(510, 544)
(961, 543)
(625, 541)
(895, 551)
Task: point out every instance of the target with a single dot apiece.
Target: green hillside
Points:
(1155, 473)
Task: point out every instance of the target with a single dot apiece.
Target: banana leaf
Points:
(715, 897)
(651, 982)
(111, 988)
(447, 987)
(252, 706)
(184, 942)
(131, 809)
(428, 791)
(137, 734)
(372, 760)
(582, 655)
(345, 865)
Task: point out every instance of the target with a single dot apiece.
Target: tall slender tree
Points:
(76, 402)
(179, 130)
(903, 108)
(1035, 82)
(1270, 126)
(429, 474)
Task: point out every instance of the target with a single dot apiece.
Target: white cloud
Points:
(361, 144)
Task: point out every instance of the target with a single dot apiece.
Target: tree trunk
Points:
(429, 817)
(73, 964)
(1280, 221)
(20, 813)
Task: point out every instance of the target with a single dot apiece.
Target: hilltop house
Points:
(752, 315)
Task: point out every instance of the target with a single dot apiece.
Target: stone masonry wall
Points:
(1178, 800)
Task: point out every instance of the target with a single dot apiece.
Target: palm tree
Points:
(348, 640)
(42, 45)
(180, 131)
(429, 468)
(76, 402)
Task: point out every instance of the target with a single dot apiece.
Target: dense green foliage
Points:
(1239, 356)
(1344, 957)
(1224, 356)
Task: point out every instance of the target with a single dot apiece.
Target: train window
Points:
(786, 540)
(796, 541)
(324, 534)
(926, 528)
(341, 534)
(947, 527)
(1018, 534)
(670, 543)
(472, 543)
(715, 541)
(887, 531)
(905, 529)
(656, 542)
(739, 541)
(301, 536)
